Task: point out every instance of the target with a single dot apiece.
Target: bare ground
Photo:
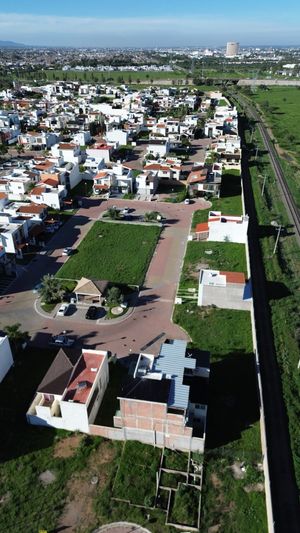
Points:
(78, 514)
(67, 447)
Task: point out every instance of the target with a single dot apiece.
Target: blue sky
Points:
(150, 23)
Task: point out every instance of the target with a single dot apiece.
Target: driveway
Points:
(151, 321)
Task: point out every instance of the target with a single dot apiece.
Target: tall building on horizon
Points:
(232, 49)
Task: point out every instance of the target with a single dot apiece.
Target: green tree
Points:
(51, 290)
(113, 213)
(20, 148)
(114, 296)
(16, 336)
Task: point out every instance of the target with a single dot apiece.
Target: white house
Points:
(227, 290)
(222, 228)
(69, 152)
(34, 139)
(99, 152)
(146, 183)
(71, 392)
(6, 358)
(158, 148)
(116, 136)
(13, 234)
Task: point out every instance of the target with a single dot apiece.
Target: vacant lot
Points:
(233, 432)
(136, 477)
(222, 256)
(119, 253)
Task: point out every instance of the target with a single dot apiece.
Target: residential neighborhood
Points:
(139, 236)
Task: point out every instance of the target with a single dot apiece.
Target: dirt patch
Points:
(47, 477)
(5, 498)
(255, 487)
(78, 514)
(216, 482)
(214, 529)
(67, 447)
(238, 470)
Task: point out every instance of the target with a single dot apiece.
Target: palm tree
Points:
(16, 336)
(51, 289)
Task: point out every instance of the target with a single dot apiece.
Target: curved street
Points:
(149, 324)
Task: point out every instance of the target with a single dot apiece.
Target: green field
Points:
(119, 76)
(226, 256)
(116, 252)
(281, 107)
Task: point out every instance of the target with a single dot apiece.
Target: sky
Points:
(150, 23)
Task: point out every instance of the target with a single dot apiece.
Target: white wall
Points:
(6, 358)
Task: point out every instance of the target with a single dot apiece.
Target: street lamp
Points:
(278, 227)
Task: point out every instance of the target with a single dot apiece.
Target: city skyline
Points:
(69, 23)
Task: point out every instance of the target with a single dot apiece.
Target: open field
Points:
(230, 201)
(281, 108)
(116, 252)
(225, 256)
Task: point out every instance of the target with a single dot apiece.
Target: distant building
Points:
(232, 49)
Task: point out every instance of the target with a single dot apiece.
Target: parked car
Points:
(63, 309)
(67, 251)
(125, 211)
(92, 312)
(187, 201)
(62, 340)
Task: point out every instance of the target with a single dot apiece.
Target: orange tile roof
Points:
(37, 190)
(234, 277)
(3, 195)
(202, 227)
(32, 208)
(84, 374)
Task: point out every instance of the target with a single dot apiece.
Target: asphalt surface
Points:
(148, 325)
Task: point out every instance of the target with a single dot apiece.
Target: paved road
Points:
(284, 491)
(149, 324)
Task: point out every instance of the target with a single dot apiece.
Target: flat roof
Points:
(82, 380)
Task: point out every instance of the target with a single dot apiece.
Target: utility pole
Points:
(279, 228)
(256, 152)
(263, 185)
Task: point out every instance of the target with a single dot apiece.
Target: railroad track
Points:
(289, 201)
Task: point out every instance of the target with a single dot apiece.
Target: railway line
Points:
(290, 204)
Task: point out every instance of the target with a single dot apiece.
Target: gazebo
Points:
(90, 291)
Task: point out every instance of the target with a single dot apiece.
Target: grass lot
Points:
(230, 201)
(283, 275)
(226, 256)
(175, 460)
(221, 331)
(233, 431)
(281, 108)
(185, 506)
(136, 476)
(117, 252)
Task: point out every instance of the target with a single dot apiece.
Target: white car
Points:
(125, 211)
(67, 251)
(187, 201)
(63, 310)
